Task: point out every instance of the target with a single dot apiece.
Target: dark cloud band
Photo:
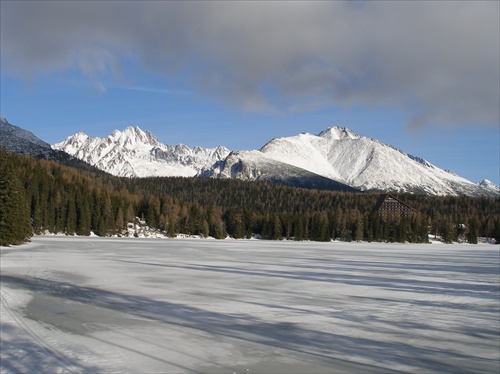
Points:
(436, 61)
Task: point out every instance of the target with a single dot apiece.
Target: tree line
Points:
(60, 199)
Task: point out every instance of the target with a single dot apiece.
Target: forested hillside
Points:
(62, 199)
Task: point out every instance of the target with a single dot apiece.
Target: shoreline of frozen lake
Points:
(86, 305)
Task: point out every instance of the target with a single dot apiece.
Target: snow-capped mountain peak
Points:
(137, 153)
(336, 158)
(338, 133)
(133, 136)
(486, 183)
(340, 155)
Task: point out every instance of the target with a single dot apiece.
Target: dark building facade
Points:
(389, 206)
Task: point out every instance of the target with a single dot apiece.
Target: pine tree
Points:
(153, 212)
(472, 232)
(15, 225)
(205, 229)
(84, 215)
(496, 231)
(448, 231)
(71, 213)
(299, 231)
(358, 228)
(119, 223)
(277, 228)
(106, 224)
(171, 228)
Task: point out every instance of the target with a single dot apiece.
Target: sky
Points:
(423, 76)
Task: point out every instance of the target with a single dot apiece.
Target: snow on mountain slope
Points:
(256, 166)
(336, 159)
(360, 162)
(363, 163)
(137, 153)
(485, 183)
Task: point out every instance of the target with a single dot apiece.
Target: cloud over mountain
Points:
(437, 62)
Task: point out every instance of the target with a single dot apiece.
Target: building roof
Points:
(388, 198)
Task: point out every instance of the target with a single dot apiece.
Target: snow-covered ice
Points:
(87, 305)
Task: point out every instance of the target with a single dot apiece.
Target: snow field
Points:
(91, 305)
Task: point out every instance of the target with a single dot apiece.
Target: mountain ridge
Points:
(137, 153)
(18, 140)
(337, 158)
(367, 164)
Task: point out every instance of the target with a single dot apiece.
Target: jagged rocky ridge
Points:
(335, 159)
(137, 153)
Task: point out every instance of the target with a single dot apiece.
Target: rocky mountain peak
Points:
(137, 153)
(338, 133)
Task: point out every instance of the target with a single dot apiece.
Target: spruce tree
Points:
(119, 223)
(448, 231)
(496, 231)
(277, 228)
(171, 229)
(299, 232)
(84, 215)
(358, 228)
(472, 233)
(106, 225)
(205, 229)
(71, 213)
(15, 225)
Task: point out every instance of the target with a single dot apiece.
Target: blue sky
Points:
(421, 76)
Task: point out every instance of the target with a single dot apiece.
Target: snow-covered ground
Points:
(88, 305)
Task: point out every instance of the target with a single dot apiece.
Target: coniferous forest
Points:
(38, 196)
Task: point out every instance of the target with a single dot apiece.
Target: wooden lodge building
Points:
(389, 206)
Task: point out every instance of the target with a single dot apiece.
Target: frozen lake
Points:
(88, 305)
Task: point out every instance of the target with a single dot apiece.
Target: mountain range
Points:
(335, 159)
(137, 153)
(351, 159)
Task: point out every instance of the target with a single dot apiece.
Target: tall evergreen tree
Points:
(299, 231)
(71, 213)
(15, 225)
(106, 224)
(358, 228)
(84, 215)
(171, 229)
(448, 231)
(119, 223)
(472, 232)
(277, 228)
